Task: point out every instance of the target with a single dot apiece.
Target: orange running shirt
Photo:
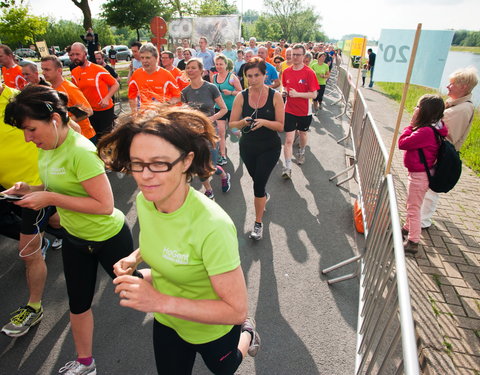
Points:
(159, 86)
(13, 77)
(76, 98)
(180, 78)
(94, 81)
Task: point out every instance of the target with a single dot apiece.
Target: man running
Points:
(97, 85)
(207, 58)
(30, 73)
(11, 72)
(167, 58)
(151, 82)
(300, 84)
(271, 78)
(52, 70)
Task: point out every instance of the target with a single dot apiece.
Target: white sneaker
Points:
(76, 368)
(257, 232)
(287, 173)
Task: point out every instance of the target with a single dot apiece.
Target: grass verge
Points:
(470, 151)
(465, 49)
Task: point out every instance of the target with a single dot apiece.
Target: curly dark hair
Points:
(185, 128)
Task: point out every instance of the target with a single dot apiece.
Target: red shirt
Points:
(13, 77)
(303, 80)
(159, 86)
(94, 81)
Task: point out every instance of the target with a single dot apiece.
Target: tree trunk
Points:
(138, 34)
(87, 14)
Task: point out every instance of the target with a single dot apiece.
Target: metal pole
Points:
(404, 97)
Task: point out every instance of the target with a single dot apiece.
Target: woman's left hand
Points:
(35, 201)
(137, 294)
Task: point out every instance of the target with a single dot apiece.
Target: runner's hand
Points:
(125, 266)
(19, 188)
(138, 294)
(35, 201)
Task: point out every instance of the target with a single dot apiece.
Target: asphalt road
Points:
(307, 327)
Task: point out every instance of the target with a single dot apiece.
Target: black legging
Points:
(320, 93)
(80, 262)
(260, 160)
(174, 355)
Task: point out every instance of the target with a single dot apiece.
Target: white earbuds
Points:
(55, 123)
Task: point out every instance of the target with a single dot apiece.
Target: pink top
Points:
(423, 138)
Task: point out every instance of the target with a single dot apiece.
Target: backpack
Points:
(448, 167)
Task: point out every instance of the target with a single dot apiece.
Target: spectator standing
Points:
(371, 64)
(364, 74)
(458, 117)
(91, 40)
(11, 72)
(112, 55)
(97, 85)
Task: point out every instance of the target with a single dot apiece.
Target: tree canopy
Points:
(19, 27)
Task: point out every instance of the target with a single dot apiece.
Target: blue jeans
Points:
(371, 76)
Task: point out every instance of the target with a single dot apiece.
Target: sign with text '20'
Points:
(395, 48)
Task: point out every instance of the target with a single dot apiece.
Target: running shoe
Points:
(57, 244)
(287, 173)
(226, 183)
(222, 160)
(249, 326)
(300, 159)
(46, 245)
(209, 194)
(76, 368)
(257, 232)
(22, 320)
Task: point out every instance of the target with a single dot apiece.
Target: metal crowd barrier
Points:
(343, 85)
(385, 315)
(355, 129)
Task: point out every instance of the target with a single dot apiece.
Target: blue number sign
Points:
(395, 48)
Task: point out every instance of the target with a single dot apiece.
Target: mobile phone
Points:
(9, 197)
(78, 112)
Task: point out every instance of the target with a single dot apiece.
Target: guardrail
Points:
(343, 85)
(385, 333)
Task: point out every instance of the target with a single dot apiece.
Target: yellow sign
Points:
(358, 46)
(347, 46)
(42, 48)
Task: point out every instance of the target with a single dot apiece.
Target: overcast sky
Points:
(339, 17)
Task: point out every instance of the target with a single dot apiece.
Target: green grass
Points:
(470, 151)
(465, 49)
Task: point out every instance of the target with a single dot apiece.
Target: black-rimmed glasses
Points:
(155, 167)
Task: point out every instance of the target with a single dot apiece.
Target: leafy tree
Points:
(87, 14)
(134, 14)
(459, 36)
(472, 39)
(216, 8)
(63, 33)
(250, 16)
(18, 27)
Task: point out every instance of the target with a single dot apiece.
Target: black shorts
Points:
(293, 122)
(226, 116)
(34, 222)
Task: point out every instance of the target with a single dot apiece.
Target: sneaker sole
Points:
(13, 334)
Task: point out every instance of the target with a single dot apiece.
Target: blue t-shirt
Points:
(207, 58)
(271, 75)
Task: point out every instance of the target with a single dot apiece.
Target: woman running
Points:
(74, 180)
(195, 287)
(229, 86)
(203, 95)
(259, 113)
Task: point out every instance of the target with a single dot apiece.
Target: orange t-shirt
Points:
(94, 81)
(159, 86)
(13, 77)
(180, 78)
(76, 98)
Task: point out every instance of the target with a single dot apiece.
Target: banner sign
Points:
(217, 29)
(358, 47)
(42, 48)
(347, 46)
(340, 44)
(394, 50)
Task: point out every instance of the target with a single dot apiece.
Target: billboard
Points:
(217, 29)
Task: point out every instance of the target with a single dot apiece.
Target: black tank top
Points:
(266, 112)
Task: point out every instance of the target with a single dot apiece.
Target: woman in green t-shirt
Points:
(74, 180)
(322, 71)
(195, 287)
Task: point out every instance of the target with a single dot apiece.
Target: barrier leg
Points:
(342, 264)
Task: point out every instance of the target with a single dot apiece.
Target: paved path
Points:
(445, 275)
(307, 327)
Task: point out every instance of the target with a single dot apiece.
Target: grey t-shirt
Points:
(202, 98)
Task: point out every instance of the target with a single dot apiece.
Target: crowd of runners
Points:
(60, 137)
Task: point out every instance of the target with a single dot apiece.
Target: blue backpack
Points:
(448, 167)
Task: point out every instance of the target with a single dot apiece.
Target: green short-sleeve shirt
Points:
(62, 170)
(184, 248)
(320, 69)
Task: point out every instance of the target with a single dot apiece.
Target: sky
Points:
(339, 18)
